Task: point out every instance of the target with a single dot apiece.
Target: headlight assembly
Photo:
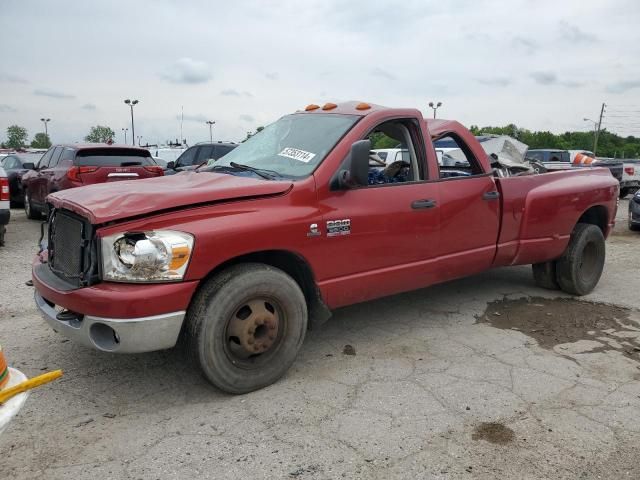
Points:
(155, 256)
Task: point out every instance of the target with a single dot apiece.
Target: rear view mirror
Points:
(171, 165)
(356, 173)
(29, 166)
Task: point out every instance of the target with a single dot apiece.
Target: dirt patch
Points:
(493, 432)
(565, 320)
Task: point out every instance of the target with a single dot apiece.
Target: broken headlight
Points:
(156, 256)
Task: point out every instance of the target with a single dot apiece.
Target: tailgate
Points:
(89, 175)
(110, 164)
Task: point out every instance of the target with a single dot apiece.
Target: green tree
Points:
(41, 140)
(16, 136)
(100, 134)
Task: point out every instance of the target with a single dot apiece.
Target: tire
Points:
(3, 230)
(28, 207)
(218, 329)
(579, 268)
(632, 226)
(624, 192)
(544, 275)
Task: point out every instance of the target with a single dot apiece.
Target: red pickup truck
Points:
(239, 260)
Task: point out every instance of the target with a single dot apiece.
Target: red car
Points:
(69, 166)
(300, 219)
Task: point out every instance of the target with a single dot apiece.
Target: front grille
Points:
(70, 255)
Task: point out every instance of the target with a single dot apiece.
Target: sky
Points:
(543, 65)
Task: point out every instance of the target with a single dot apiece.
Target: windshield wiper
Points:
(268, 174)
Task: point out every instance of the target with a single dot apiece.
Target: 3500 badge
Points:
(338, 227)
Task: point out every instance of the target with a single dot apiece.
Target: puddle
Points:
(493, 432)
(559, 321)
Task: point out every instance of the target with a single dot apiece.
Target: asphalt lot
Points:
(460, 380)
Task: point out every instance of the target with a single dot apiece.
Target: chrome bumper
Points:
(127, 335)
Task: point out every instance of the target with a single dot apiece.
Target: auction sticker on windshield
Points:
(296, 154)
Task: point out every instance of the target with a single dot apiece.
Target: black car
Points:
(16, 165)
(198, 154)
(634, 212)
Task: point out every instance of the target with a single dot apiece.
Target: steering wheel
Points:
(394, 169)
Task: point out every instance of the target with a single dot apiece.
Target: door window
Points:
(187, 158)
(44, 161)
(55, 157)
(400, 163)
(204, 153)
(458, 160)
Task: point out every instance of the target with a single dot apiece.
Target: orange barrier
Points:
(582, 160)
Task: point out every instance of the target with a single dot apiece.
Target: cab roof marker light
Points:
(363, 106)
(329, 106)
(311, 107)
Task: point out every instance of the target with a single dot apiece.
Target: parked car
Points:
(16, 165)
(630, 182)
(168, 154)
(5, 212)
(199, 154)
(238, 261)
(634, 212)
(68, 166)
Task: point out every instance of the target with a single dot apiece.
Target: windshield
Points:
(292, 147)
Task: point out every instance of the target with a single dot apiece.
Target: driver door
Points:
(383, 238)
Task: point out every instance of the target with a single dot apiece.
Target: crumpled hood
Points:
(106, 202)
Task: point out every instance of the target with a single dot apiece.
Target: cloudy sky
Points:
(542, 65)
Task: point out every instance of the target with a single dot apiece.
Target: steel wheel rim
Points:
(254, 332)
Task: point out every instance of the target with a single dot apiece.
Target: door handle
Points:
(426, 203)
(491, 195)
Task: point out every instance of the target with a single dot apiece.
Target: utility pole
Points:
(125, 130)
(211, 123)
(131, 103)
(45, 121)
(595, 141)
(435, 107)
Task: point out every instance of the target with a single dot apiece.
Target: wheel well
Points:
(293, 265)
(596, 215)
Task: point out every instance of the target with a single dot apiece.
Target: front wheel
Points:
(579, 269)
(245, 326)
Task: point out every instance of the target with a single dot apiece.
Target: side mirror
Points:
(29, 166)
(171, 165)
(356, 167)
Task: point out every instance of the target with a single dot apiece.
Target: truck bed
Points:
(539, 211)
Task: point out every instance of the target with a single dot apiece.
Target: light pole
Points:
(139, 139)
(435, 107)
(131, 103)
(45, 121)
(125, 130)
(211, 123)
(595, 132)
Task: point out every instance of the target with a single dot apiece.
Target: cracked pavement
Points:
(425, 376)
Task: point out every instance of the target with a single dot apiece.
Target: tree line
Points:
(609, 144)
(18, 137)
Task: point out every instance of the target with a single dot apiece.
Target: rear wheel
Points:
(544, 275)
(28, 206)
(624, 192)
(580, 267)
(245, 326)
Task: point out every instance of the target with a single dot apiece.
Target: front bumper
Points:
(128, 335)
